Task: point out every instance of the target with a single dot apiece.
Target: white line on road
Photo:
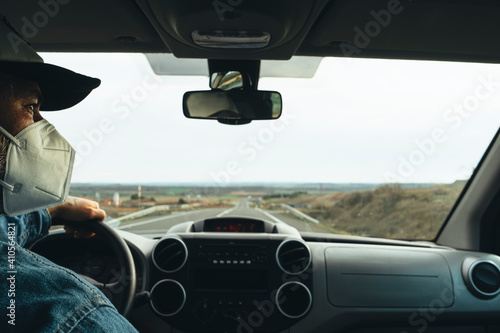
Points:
(158, 219)
(163, 218)
(226, 212)
(277, 220)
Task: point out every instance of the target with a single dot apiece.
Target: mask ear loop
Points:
(10, 137)
(18, 144)
(6, 186)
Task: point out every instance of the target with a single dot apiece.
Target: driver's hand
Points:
(78, 209)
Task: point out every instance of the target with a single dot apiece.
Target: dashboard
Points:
(246, 275)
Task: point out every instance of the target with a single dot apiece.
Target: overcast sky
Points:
(355, 121)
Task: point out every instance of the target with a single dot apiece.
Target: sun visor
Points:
(297, 67)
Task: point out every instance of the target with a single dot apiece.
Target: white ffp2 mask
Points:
(38, 169)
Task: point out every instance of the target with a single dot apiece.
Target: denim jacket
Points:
(37, 295)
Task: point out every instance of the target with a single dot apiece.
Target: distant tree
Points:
(182, 201)
(135, 196)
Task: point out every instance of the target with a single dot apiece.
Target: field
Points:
(388, 211)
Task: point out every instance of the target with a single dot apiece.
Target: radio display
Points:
(231, 279)
(233, 225)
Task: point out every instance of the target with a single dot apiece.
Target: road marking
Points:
(277, 220)
(158, 219)
(226, 212)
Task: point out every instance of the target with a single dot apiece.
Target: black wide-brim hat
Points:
(61, 88)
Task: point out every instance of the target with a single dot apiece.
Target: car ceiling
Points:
(406, 29)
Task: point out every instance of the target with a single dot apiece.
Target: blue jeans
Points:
(37, 295)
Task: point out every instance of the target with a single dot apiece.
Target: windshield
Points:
(364, 147)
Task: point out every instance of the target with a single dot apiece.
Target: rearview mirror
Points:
(233, 106)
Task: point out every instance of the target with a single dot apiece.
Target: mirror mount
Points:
(233, 98)
(249, 70)
(227, 81)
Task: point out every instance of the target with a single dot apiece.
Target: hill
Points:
(389, 211)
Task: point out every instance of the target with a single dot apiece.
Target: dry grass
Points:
(389, 211)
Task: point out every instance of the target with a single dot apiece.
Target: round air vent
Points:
(293, 256)
(170, 254)
(293, 299)
(167, 297)
(482, 277)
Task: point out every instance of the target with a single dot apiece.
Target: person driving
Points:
(36, 163)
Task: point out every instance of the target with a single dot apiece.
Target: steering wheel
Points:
(122, 292)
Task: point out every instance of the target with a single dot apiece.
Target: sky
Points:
(355, 121)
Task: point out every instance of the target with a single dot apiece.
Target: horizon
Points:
(257, 183)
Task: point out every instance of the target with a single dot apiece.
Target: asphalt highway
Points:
(242, 209)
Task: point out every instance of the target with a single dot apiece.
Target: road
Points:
(242, 209)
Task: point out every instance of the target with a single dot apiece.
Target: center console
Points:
(211, 282)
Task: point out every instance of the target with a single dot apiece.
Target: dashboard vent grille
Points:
(485, 278)
(293, 299)
(293, 256)
(171, 305)
(170, 254)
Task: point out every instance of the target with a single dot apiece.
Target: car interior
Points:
(241, 268)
